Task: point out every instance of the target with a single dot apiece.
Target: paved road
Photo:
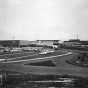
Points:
(35, 57)
(61, 66)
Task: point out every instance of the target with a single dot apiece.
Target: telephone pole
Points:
(77, 36)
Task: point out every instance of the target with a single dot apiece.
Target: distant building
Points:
(25, 42)
(18, 43)
(67, 43)
(75, 42)
(48, 42)
(14, 43)
(9, 43)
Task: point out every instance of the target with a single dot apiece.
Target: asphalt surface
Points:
(59, 58)
(35, 56)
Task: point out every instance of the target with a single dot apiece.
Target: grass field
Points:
(62, 67)
(24, 70)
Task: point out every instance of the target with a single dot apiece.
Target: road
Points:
(59, 58)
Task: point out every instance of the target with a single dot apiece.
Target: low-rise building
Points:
(48, 42)
(75, 42)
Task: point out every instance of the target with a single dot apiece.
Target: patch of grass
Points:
(49, 63)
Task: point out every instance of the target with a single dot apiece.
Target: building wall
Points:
(25, 42)
(71, 43)
(9, 43)
(47, 42)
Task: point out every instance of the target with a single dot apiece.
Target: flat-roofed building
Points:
(75, 42)
(14, 43)
(9, 43)
(47, 42)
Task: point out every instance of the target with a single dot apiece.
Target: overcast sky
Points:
(43, 19)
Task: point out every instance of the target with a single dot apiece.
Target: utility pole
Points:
(77, 36)
(13, 38)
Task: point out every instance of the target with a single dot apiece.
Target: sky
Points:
(43, 19)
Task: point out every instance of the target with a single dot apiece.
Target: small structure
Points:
(76, 43)
(52, 43)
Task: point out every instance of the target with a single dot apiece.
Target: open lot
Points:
(22, 64)
(30, 70)
(16, 54)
